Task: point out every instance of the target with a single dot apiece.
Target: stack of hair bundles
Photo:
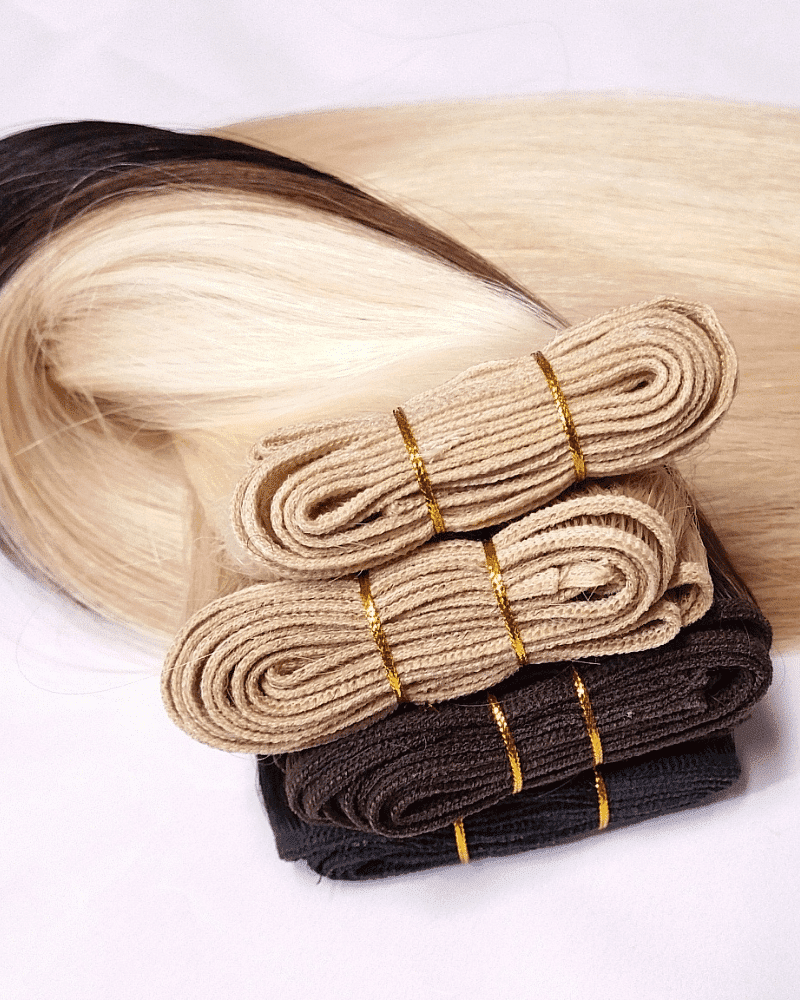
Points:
(421, 769)
(601, 584)
(613, 566)
(488, 620)
(456, 548)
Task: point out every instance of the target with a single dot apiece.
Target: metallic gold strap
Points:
(597, 748)
(501, 722)
(588, 718)
(380, 637)
(420, 472)
(501, 595)
(461, 841)
(565, 416)
(602, 800)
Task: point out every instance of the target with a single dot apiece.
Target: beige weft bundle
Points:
(610, 567)
(643, 385)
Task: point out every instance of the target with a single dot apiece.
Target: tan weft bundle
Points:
(611, 566)
(643, 385)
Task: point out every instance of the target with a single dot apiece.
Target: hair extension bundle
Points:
(650, 786)
(613, 566)
(166, 298)
(421, 768)
(643, 384)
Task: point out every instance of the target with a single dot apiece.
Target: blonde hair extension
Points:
(148, 341)
(171, 299)
(600, 200)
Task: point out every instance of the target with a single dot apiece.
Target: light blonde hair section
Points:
(151, 341)
(597, 201)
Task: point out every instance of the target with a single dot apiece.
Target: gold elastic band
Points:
(508, 738)
(566, 417)
(588, 718)
(461, 841)
(501, 595)
(380, 637)
(420, 472)
(597, 748)
(602, 800)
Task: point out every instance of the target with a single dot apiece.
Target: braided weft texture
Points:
(650, 786)
(613, 566)
(422, 768)
(643, 385)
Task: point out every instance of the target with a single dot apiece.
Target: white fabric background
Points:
(138, 864)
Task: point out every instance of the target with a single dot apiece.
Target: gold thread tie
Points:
(501, 595)
(501, 722)
(461, 841)
(597, 749)
(373, 618)
(423, 482)
(565, 416)
(588, 718)
(602, 800)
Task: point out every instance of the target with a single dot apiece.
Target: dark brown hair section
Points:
(727, 581)
(50, 175)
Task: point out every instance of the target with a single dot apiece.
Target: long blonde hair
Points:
(179, 313)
